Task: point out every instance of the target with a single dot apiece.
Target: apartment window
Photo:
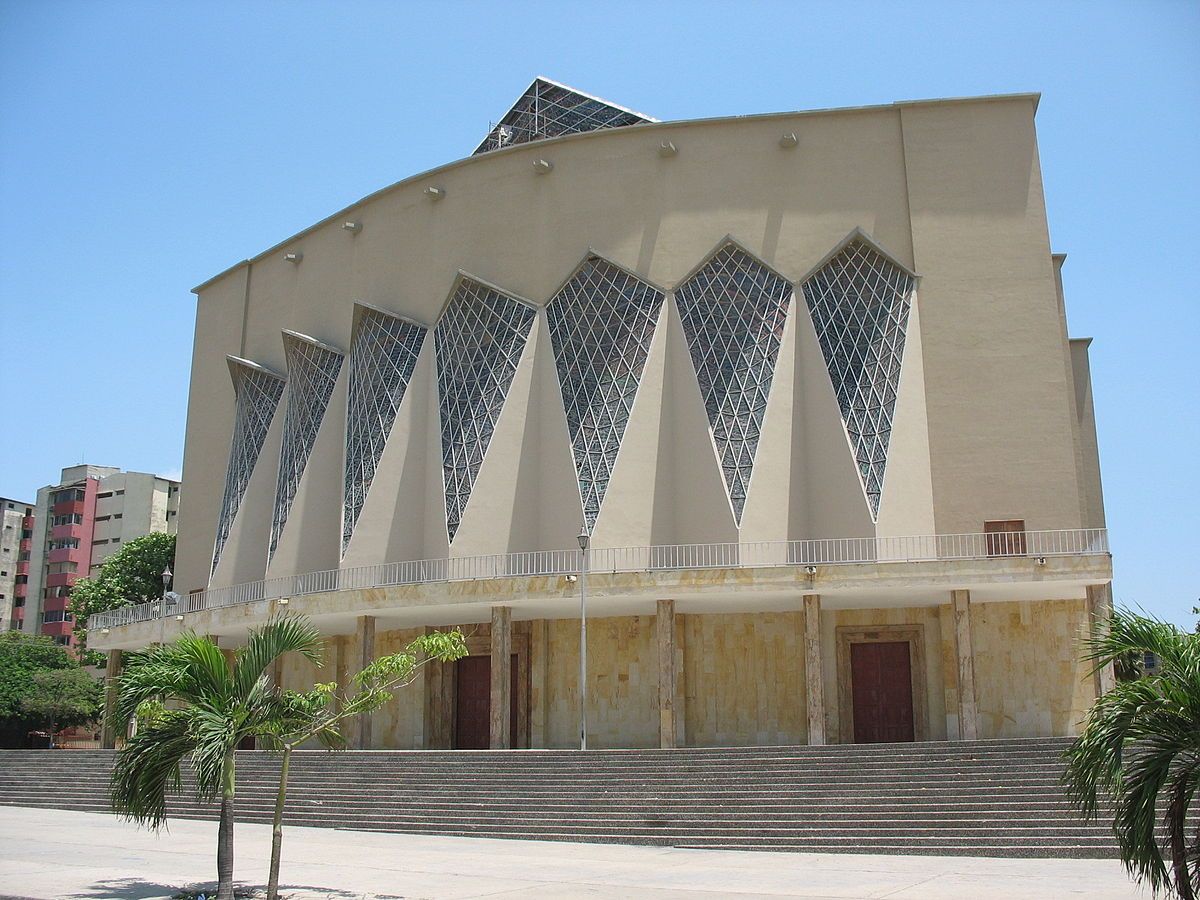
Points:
(1, 596)
(118, 515)
(22, 579)
(62, 639)
(170, 512)
(66, 496)
(1005, 537)
(56, 615)
(10, 506)
(23, 557)
(65, 544)
(26, 533)
(103, 518)
(18, 602)
(3, 573)
(116, 540)
(99, 542)
(73, 519)
(62, 568)
(104, 496)
(119, 493)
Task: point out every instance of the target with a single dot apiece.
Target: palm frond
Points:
(149, 766)
(288, 634)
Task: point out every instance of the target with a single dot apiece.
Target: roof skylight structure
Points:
(548, 109)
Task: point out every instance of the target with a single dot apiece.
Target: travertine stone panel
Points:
(111, 729)
(1030, 680)
(1100, 610)
(400, 724)
(925, 616)
(664, 626)
(622, 683)
(744, 679)
(501, 700)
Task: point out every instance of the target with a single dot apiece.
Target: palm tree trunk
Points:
(1176, 822)
(277, 826)
(225, 833)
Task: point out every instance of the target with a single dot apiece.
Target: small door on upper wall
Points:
(881, 691)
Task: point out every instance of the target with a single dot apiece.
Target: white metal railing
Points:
(663, 557)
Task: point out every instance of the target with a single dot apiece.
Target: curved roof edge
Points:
(1033, 96)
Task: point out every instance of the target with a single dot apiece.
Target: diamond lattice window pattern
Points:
(547, 109)
(601, 323)
(382, 360)
(733, 311)
(859, 302)
(478, 342)
(257, 392)
(313, 370)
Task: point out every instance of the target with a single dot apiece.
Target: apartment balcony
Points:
(26, 544)
(701, 578)
(54, 604)
(20, 591)
(62, 532)
(23, 567)
(61, 579)
(57, 629)
(67, 508)
(76, 555)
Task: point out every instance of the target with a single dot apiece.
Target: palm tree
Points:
(209, 705)
(1141, 747)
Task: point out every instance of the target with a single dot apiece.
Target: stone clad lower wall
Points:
(743, 679)
(1030, 681)
(740, 677)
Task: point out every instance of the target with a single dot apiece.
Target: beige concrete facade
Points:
(990, 420)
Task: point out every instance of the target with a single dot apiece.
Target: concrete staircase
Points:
(983, 798)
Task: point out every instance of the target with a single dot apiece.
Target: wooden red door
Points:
(472, 725)
(473, 679)
(881, 691)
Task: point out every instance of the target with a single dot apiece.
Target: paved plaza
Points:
(69, 856)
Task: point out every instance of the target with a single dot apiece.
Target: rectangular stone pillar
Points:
(814, 684)
(501, 712)
(1100, 609)
(366, 655)
(968, 710)
(664, 626)
(111, 728)
(436, 724)
(539, 664)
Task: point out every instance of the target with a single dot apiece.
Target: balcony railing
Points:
(762, 554)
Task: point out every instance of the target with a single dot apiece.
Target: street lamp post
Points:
(162, 606)
(584, 542)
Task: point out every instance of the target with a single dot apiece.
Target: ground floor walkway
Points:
(69, 855)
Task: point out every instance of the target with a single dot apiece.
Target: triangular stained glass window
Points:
(859, 302)
(601, 324)
(478, 342)
(257, 392)
(382, 359)
(733, 312)
(313, 370)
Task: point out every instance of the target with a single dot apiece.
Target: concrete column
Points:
(664, 626)
(436, 723)
(814, 684)
(366, 655)
(1100, 609)
(968, 710)
(110, 727)
(539, 652)
(501, 712)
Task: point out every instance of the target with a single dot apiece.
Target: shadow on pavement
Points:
(139, 889)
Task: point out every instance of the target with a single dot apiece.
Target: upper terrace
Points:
(725, 577)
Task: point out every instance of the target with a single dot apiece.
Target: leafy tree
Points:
(1141, 747)
(320, 713)
(63, 697)
(204, 706)
(22, 658)
(131, 575)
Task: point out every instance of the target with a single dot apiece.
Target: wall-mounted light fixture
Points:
(105, 630)
(810, 570)
(666, 148)
(283, 601)
(179, 618)
(1041, 560)
(789, 140)
(293, 258)
(435, 193)
(542, 166)
(352, 226)
(571, 579)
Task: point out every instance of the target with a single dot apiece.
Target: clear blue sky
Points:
(147, 146)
